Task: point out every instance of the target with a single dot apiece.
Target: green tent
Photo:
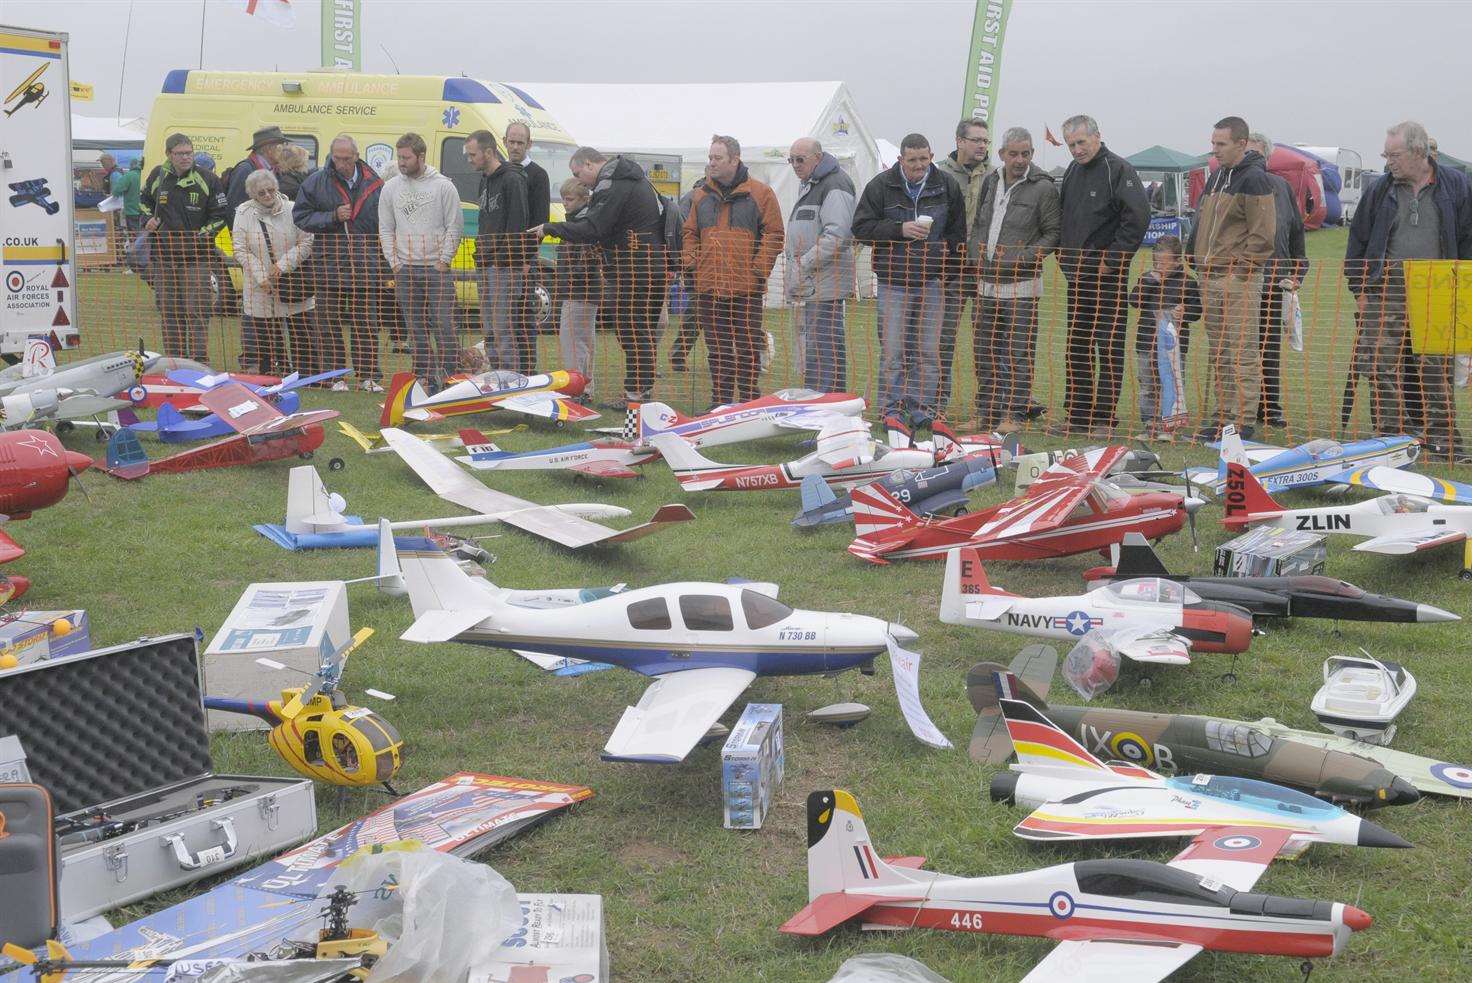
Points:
(1444, 159)
(1166, 169)
(1163, 160)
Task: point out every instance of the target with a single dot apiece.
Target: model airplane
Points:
(447, 480)
(37, 390)
(1400, 482)
(34, 192)
(1317, 462)
(465, 437)
(35, 472)
(173, 427)
(1112, 920)
(928, 492)
(1429, 776)
(1174, 743)
(548, 396)
(1271, 597)
(1072, 508)
(845, 456)
(783, 412)
(604, 457)
(1075, 796)
(319, 733)
(160, 389)
(1147, 619)
(262, 433)
(702, 643)
(1397, 525)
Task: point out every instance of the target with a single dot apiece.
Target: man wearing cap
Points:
(265, 154)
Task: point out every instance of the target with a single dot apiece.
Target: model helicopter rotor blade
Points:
(380, 694)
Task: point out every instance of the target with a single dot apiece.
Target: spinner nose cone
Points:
(576, 382)
(901, 634)
(77, 462)
(1400, 793)
(1379, 836)
(1355, 919)
(1428, 612)
(1192, 504)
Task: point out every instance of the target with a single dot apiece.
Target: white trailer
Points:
(1351, 171)
(36, 231)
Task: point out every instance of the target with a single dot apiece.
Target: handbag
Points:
(298, 286)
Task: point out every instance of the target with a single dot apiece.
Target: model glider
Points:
(36, 390)
(262, 433)
(1396, 525)
(465, 437)
(548, 396)
(447, 480)
(1112, 920)
(783, 412)
(1317, 462)
(701, 643)
(1072, 508)
(1147, 619)
(1302, 596)
(944, 489)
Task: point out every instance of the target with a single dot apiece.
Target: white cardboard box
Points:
(752, 763)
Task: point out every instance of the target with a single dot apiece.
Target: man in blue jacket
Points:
(1418, 210)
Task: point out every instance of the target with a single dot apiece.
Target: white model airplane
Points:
(702, 643)
(37, 390)
(1396, 525)
(448, 481)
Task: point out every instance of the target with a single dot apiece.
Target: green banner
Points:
(984, 67)
(342, 34)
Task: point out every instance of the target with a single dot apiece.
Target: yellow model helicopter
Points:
(30, 92)
(320, 734)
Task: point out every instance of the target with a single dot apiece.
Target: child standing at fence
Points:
(1168, 300)
(579, 286)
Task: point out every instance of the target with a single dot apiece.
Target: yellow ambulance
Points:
(219, 111)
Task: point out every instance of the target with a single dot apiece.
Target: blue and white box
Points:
(752, 763)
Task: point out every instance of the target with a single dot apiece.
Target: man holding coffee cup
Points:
(914, 216)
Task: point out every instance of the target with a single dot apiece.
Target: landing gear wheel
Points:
(102, 436)
(336, 464)
(65, 426)
(1465, 575)
(305, 455)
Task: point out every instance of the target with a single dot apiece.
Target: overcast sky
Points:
(1328, 73)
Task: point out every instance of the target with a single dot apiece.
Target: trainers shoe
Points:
(340, 386)
(371, 386)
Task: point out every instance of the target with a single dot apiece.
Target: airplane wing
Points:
(1230, 855)
(1102, 961)
(1413, 540)
(675, 713)
(810, 420)
(1048, 500)
(443, 625)
(242, 410)
(87, 404)
(10, 549)
(844, 441)
(604, 469)
(989, 608)
(1400, 482)
(450, 482)
(547, 406)
(1149, 645)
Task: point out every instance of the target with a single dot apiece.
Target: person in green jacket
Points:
(126, 185)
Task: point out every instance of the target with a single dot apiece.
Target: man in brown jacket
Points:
(732, 238)
(1236, 224)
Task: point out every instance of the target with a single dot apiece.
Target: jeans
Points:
(576, 336)
(500, 303)
(909, 348)
(427, 303)
(733, 333)
(957, 294)
(1006, 330)
(824, 347)
(1160, 371)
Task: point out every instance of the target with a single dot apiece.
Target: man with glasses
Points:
(968, 165)
(185, 209)
(1418, 210)
(819, 274)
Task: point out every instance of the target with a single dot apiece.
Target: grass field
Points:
(686, 899)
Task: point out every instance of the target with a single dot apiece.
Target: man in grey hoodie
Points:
(419, 227)
(820, 263)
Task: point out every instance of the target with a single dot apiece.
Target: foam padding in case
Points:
(110, 724)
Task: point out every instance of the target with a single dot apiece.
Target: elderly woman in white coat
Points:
(268, 246)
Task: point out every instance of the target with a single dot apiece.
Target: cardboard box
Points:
(27, 635)
(752, 763)
(1268, 551)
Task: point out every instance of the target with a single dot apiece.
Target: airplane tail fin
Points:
(403, 392)
(1245, 496)
(816, 493)
(685, 461)
(1035, 738)
(167, 417)
(878, 511)
(434, 581)
(306, 499)
(1138, 559)
(898, 435)
(1231, 451)
(38, 360)
(965, 579)
(947, 446)
(1034, 666)
(125, 455)
(842, 865)
(657, 418)
(390, 573)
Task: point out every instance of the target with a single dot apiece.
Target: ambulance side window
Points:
(454, 166)
(308, 143)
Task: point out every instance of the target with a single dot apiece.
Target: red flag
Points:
(1048, 136)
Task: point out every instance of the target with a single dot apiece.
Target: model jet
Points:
(1397, 525)
(446, 479)
(1147, 619)
(1270, 597)
(783, 412)
(940, 490)
(1072, 508)
(547, 396)
(1076, 796)
(35, 472)
(37, 390)
(1134, 920)
(1317, 462)
(1177, 743)
(34, 192)
(702, 643)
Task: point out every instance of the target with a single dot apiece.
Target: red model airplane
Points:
(35, 470)
(1071, 508)
(262, 433)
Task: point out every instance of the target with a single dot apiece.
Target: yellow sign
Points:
(1439, 306)
(81, 91)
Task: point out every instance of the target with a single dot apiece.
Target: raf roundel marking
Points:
(1237, 843)
(1061, 905)
(137, 394)
(1457, 776)
(1131, 748)
(14, 281)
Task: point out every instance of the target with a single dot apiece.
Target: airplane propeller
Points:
(1192, 504)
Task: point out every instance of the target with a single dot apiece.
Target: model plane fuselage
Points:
(756, 419)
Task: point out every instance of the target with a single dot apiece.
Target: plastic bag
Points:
(274, 971)
(1092, 666)
(1461, 369)
(1293, 319)
(885, 967)
(137, 254)
(439, 914)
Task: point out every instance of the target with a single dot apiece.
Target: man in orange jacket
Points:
(732, 238)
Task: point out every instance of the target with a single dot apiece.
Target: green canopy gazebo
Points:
(1168, 168)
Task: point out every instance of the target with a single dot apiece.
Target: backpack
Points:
(673, 229)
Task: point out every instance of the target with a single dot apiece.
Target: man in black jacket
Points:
(1281, 275)
(502, 254)
(518, 140)
(266, 145)
(1105, 215)
(914, 216)
(624, 217)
